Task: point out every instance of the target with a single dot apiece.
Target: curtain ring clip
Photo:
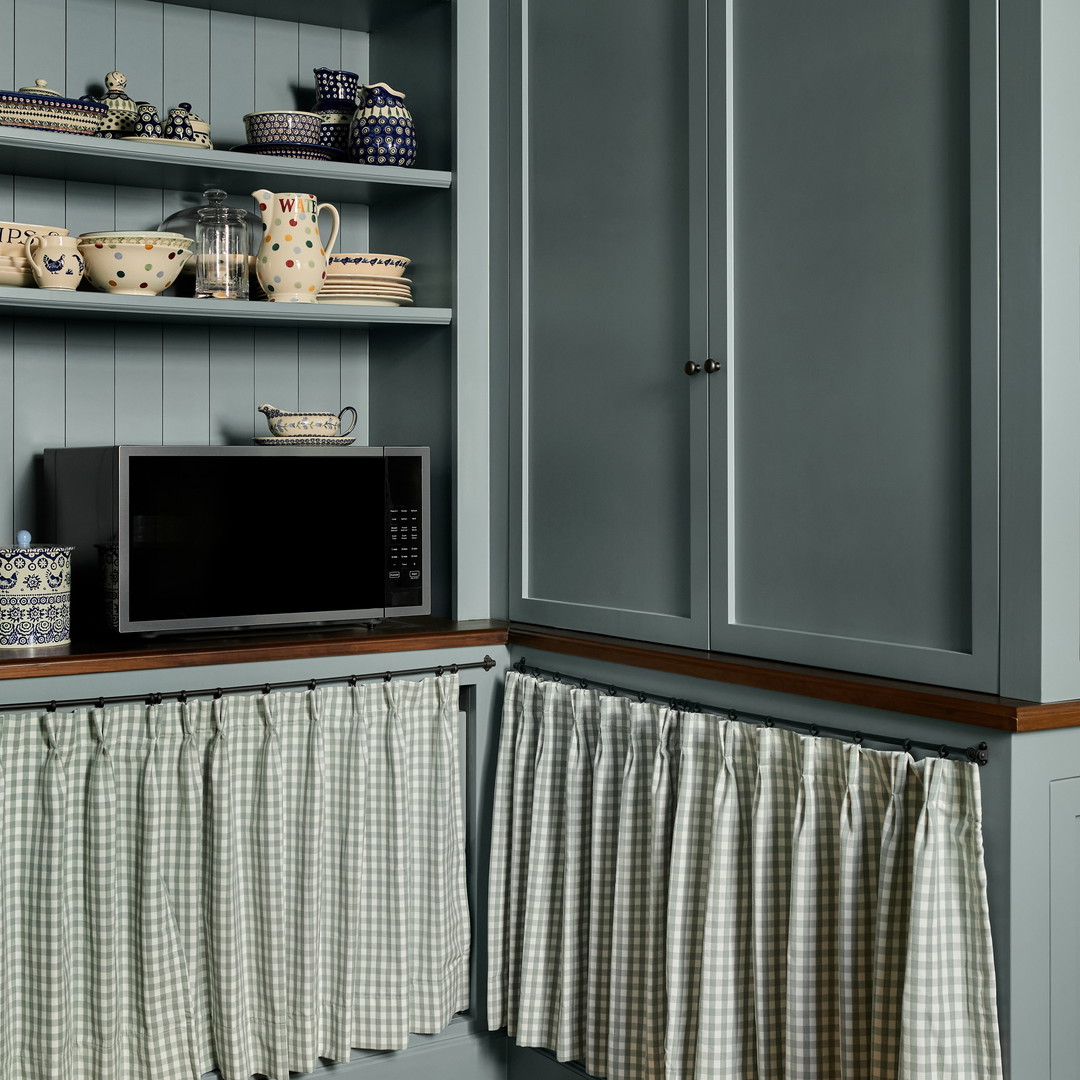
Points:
(100, 703)
(387, 677)
(520, 666)
(907, 746)
(181, 697)
(154, 699)
(857, 738)
(943, 750)
(439, 671)
(266, 688)
(352, 681)
(642, 697)
(583, 684)
(453, 669)
(813, 729)
(312, 683)
(51, 707)
(218, 694)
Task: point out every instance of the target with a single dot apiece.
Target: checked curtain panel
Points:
(250, 884)
(674, 894)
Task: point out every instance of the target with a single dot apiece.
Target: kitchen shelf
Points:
(55, 156)
(40, 303)
(346, 14)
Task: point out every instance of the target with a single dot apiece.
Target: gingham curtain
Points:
(678, 895)
(249, 884)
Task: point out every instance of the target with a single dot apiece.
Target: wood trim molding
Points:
(405, 635)
(939, 702)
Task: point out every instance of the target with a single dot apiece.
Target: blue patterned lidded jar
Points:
(382, 131)
(35, 595)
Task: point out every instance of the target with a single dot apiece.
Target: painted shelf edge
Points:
(42, 303)
(56, 156)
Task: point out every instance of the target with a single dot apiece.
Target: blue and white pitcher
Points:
(382, 131)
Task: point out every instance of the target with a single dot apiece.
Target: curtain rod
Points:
(980, 754)
(216, 691)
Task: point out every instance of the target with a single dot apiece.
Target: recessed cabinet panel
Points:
(861, 338)
(612, 307)
(1064, 929)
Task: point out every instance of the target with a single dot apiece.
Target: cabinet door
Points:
(609, 289)
(854, 436)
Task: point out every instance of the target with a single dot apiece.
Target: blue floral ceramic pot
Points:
(382, 131)
(35, 596)
(147, 122)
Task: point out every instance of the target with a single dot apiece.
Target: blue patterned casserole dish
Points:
(43, 109)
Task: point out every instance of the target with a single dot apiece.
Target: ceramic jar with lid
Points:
(35, 595)
(121, 112)
(43, 109)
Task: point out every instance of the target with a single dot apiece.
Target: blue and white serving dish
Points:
(35, 595)
(304, 151)
(42, 109)
(282, 126)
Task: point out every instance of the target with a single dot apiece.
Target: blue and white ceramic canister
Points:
(148, 123)
(35, 595)
(382, 131)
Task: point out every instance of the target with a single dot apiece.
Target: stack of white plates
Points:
(377, 290)
(15, 266)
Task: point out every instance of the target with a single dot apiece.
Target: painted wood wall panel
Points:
(138, 22)
(232, 385)
(185, 70)
(92, 25)
(7, 44)
(90, 409)
(7, 438)
(232, 80)
(185, 386)
(36, 54)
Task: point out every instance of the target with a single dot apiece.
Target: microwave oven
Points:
(182, 538)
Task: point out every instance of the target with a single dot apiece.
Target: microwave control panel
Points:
(406, 557)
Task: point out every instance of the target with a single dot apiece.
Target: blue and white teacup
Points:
(55, 261)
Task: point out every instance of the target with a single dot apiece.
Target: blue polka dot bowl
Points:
(283, 126)
(134, 264)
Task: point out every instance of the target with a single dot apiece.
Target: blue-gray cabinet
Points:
(808, 197)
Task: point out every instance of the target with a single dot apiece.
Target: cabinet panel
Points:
(1064, 929)
(860, 422)
(612, 305)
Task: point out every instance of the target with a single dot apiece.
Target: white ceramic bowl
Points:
(365, 262)
(145, 239)
(133, 269)
(16, 232)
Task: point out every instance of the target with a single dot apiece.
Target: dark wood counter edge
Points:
(963, 706)
(175, 653)
(939, 702)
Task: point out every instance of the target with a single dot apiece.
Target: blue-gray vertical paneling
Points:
(232, 75)
(276, 375)
(137, 22)
(354, 53)
(319, 46)
(185, 385)
(277, 46)
(185, 62)
(7, 44)
(91, 53)
(38, 32)
(1064, 928)
(91, 390)
(232, 386)
(38, 421)
(7, 437)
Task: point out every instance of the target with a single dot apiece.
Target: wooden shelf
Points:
(54, 156)
(175, 651)
(39, 303)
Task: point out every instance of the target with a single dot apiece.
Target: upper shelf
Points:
(54, 156)
(41, 303)
(346, 14)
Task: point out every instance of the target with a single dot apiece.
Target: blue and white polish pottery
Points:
(382, 131)
(35, 594)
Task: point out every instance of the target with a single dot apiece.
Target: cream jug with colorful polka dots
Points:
(291, 260)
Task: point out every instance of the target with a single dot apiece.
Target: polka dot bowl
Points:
(133, 269)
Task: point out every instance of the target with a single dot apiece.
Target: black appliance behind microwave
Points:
(175, 538)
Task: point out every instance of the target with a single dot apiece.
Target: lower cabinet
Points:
(808, 199)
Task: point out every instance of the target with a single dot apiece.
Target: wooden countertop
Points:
(411, 635)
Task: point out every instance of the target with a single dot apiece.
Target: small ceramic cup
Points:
(55, 261)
